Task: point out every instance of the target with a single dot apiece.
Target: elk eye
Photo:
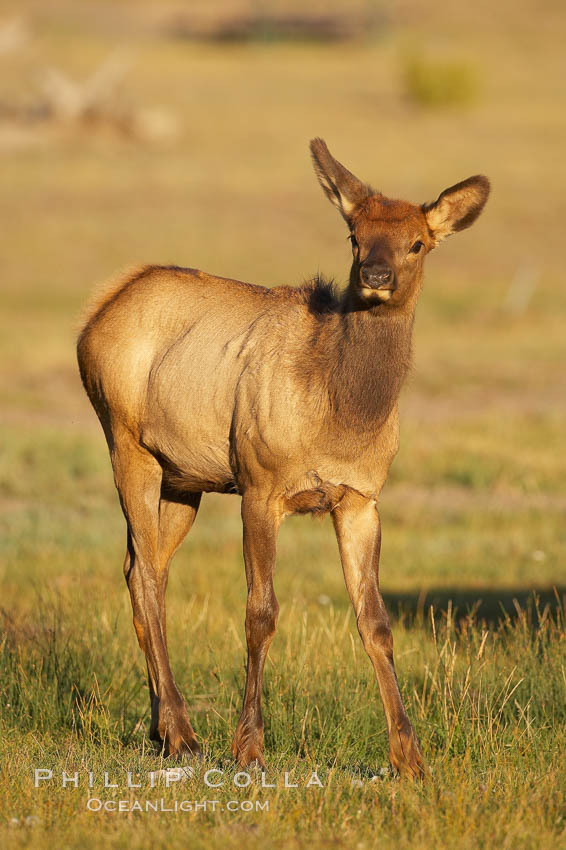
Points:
(417, 247)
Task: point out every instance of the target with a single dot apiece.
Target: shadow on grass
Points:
(480, 604)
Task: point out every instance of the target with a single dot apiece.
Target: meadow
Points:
(474, 533)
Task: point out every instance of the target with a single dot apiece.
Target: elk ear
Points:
(457, 207)
(340, 186)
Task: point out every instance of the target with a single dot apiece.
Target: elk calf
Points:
(287, 396)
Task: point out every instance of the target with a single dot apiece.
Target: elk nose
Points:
(378, 276)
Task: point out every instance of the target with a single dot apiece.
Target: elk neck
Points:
(358, 359)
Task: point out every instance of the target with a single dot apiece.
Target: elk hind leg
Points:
(138, 478)
(175, 522)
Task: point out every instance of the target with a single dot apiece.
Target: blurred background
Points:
(177, 133)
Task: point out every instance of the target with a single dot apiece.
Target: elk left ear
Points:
(457, 207)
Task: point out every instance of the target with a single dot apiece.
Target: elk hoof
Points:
(179, 743)
(176, 737)
(252, 758)
(181, 750)
(248, 752)
(405, 754)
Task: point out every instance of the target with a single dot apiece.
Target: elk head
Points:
(390, 239)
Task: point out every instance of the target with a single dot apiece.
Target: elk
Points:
(286, 396)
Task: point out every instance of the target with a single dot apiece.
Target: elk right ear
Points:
(340, 186)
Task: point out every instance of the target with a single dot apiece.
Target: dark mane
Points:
(321, 295)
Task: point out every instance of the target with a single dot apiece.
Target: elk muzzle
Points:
(380, 278)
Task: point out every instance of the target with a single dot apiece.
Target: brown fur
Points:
(107, 291)
(287, 396)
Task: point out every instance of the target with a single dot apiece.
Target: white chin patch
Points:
(376, 294)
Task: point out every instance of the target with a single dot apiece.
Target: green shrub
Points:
(434, 83)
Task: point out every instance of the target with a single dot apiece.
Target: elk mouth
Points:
(381, 293)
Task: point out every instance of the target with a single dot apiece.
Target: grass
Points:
(75, 704)
(473, 512)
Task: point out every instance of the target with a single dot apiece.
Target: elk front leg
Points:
(261, 522)
(357, 526)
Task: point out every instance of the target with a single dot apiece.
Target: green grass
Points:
(492, 729)
(473, 511)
